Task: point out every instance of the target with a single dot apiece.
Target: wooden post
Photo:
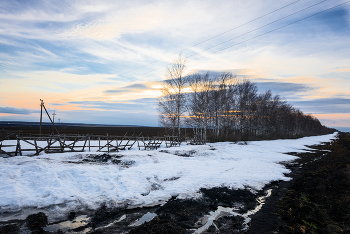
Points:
(85, 143)
(107, 144)
(53, 119)
(18, 147)
(89, 143)
(75, 141)
(50, 117)
(48, 143)
(36, 146)
(62, 143)
(41, 113)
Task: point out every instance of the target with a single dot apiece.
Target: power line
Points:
(242, 25)
(216, 35)
(261, 26)
(209, 39)
(261, 34)
(279, 28)
(244, 33)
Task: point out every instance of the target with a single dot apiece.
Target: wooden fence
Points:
(14, 144)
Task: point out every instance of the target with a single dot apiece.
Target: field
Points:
(83, 129)
(226, 187)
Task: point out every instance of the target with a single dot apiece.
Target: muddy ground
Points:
(316, 200)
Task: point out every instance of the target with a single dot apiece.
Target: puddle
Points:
(213, 215)
(146, 218)
(227, 211)
(261, 201)
(71, 226)
(112, 223)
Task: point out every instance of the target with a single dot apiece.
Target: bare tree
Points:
(172, 104)
(227, 86)
(201, 105)
(228, 108)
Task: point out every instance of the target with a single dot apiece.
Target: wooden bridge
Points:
(14, 143)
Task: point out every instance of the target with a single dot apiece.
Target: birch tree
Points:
(172, 103)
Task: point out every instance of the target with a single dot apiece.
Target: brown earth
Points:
(317, 200)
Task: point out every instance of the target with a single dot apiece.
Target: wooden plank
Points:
(18, 148)
(36, 146)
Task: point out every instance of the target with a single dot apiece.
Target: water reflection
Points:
(146, 218)
(68, 226)
(225, 211)
(114, 222)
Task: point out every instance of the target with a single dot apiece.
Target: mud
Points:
(10, 229)
(176, 216)
(36, 222)
(187, 216)
(104, 159)
(317, 200)
(181, 153)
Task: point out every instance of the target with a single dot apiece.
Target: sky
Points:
(103, 62)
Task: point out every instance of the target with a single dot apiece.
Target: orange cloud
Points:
(342, 70)
(334, 120)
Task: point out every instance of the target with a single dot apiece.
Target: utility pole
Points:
(53, 120)
(41, 113)
(41, 116)
(53, 116)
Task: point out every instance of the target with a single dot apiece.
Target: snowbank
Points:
(61, 182)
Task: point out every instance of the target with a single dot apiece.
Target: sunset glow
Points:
(104, 61)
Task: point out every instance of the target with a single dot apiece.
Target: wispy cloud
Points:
(342, 70)
(339, 121)
(284, 88)
(117, 91)
(136, 86)
(138, 105)
(325, 105)
(18, 111)
(109, 51)
(132, 20)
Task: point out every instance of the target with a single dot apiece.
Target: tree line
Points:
(226, 107)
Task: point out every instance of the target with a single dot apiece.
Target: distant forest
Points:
(228, 108)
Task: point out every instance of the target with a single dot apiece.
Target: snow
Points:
(59, 183)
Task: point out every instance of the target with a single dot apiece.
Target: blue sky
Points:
(102, 62)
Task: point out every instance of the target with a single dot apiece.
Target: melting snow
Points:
(62, 182)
